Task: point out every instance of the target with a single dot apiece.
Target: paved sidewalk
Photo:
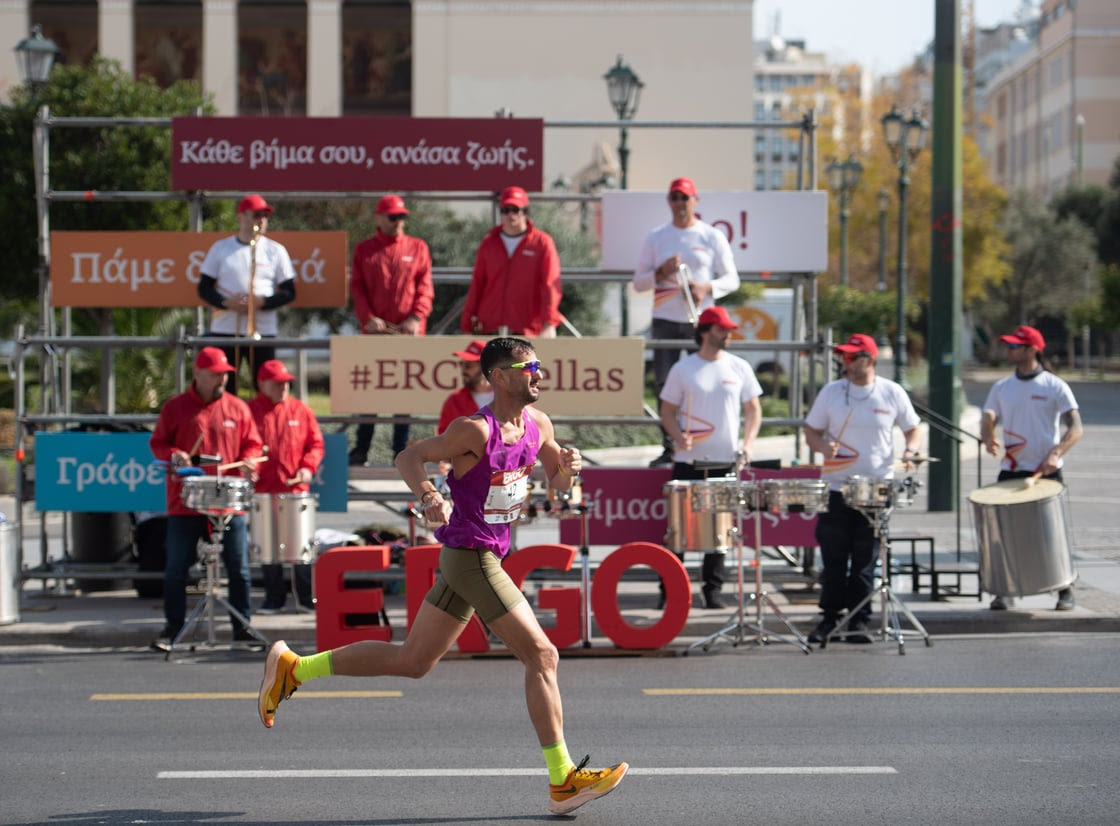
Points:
(115, 619)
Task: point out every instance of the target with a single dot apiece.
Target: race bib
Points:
(508, 490)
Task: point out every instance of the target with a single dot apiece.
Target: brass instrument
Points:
(251, 323)
(684, 279)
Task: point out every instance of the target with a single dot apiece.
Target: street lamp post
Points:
(623, 89)
(36, 57)
(843, 177)
(905, 137)
(884, 202)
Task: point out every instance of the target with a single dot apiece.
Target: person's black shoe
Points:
(1065, 600)
(357, 459)
(245, 639)
(713, 603)
(858, 633)
(664, 460)
(823, 629)
(163, 641)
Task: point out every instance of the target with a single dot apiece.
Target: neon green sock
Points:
(559, 762)
(313, 666)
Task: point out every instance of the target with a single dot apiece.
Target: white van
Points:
(767, 318)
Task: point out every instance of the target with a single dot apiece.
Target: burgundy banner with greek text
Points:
(351, 154)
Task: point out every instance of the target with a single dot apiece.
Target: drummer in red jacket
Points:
(516, 278)
(204, 421)
(294, 445)
(474, 393)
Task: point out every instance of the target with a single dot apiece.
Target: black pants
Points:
(277, 586)
(663, 360)
(848, 551)
(365, 438)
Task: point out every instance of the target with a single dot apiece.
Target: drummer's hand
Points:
(669, 268)
(908, 460)
(684, 442)
(830, 450)
(180, 458)
(992, 446)
(302, 477)
(1050, 463)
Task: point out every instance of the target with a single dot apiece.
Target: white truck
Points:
(767, 318)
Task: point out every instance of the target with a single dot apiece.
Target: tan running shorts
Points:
(470, 580)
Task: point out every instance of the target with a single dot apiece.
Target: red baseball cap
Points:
(514, 195)
(719, 317)
(391, 205)
(212, 358)
(1027, 336)
(274, 370)
(253, 203)
(858, 343)
(473, 351)
(684, 185)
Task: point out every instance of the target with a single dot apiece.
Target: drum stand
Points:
(211, 554)
(890, 606)
(736, 631)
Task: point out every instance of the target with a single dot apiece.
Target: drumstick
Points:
(688, 420)
(1030, 480)
(244, 463)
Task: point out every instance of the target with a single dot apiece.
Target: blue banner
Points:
(115, 473)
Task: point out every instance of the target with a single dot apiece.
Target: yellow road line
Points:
(755, 692)
(240, 695)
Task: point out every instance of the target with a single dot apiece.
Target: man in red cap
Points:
(247, 269)
(391, 284)
(851, 425)
(475, 392)
(516, 279)
(683, 256)
(203, 421)
(294, 445)
(1032, 405)
(710, 408)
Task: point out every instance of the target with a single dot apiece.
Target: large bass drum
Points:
(1022, 536)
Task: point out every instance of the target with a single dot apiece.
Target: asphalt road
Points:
(1014, 729)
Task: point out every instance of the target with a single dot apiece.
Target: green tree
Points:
(110, 158)
(1050, 259)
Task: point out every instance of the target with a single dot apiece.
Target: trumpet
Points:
(251, 322)
(684, 280)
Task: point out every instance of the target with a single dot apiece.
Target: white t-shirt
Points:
(710, 395)
(1029, 410)
(860, 420)
(704, 249)
(228, 262)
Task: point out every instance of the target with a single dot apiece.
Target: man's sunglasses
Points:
(860, 355)
(395, 218)
(1011, 346)
(511, 210)
(531, 367)
(679, 196)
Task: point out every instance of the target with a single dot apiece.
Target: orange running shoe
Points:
(279, 682)
(584, 785)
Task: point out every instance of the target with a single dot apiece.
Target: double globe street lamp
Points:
(843, 178)
(623, 88)
(905, 137)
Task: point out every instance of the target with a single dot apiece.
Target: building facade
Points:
(445, 58)
(1055, 108)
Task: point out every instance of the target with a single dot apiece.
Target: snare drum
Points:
(295, 526)
(795, 495)
(722, 495)
(867, 493)
(689, 530)
(217, 494)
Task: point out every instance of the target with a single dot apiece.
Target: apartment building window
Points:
(72, 27)
(272, 58)
(168, 41)
(776, 176)
(760, 110)
(760, 179)
(377, 57)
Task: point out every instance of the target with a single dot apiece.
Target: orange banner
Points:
(160, 269)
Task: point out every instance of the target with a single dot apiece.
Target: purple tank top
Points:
(488, 497)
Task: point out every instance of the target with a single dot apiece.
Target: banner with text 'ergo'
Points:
(357, 154)
(415, 374)
(161, 269)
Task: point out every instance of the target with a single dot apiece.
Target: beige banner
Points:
(411, 374)
(161, 269)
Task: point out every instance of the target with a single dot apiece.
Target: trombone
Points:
(684, 280)
(251, 322)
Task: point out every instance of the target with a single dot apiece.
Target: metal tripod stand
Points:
(739, 629)
(890, 606)
(211, 554)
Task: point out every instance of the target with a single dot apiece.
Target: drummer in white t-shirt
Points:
(850, 425)
(710, 409)
(1032, 404)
